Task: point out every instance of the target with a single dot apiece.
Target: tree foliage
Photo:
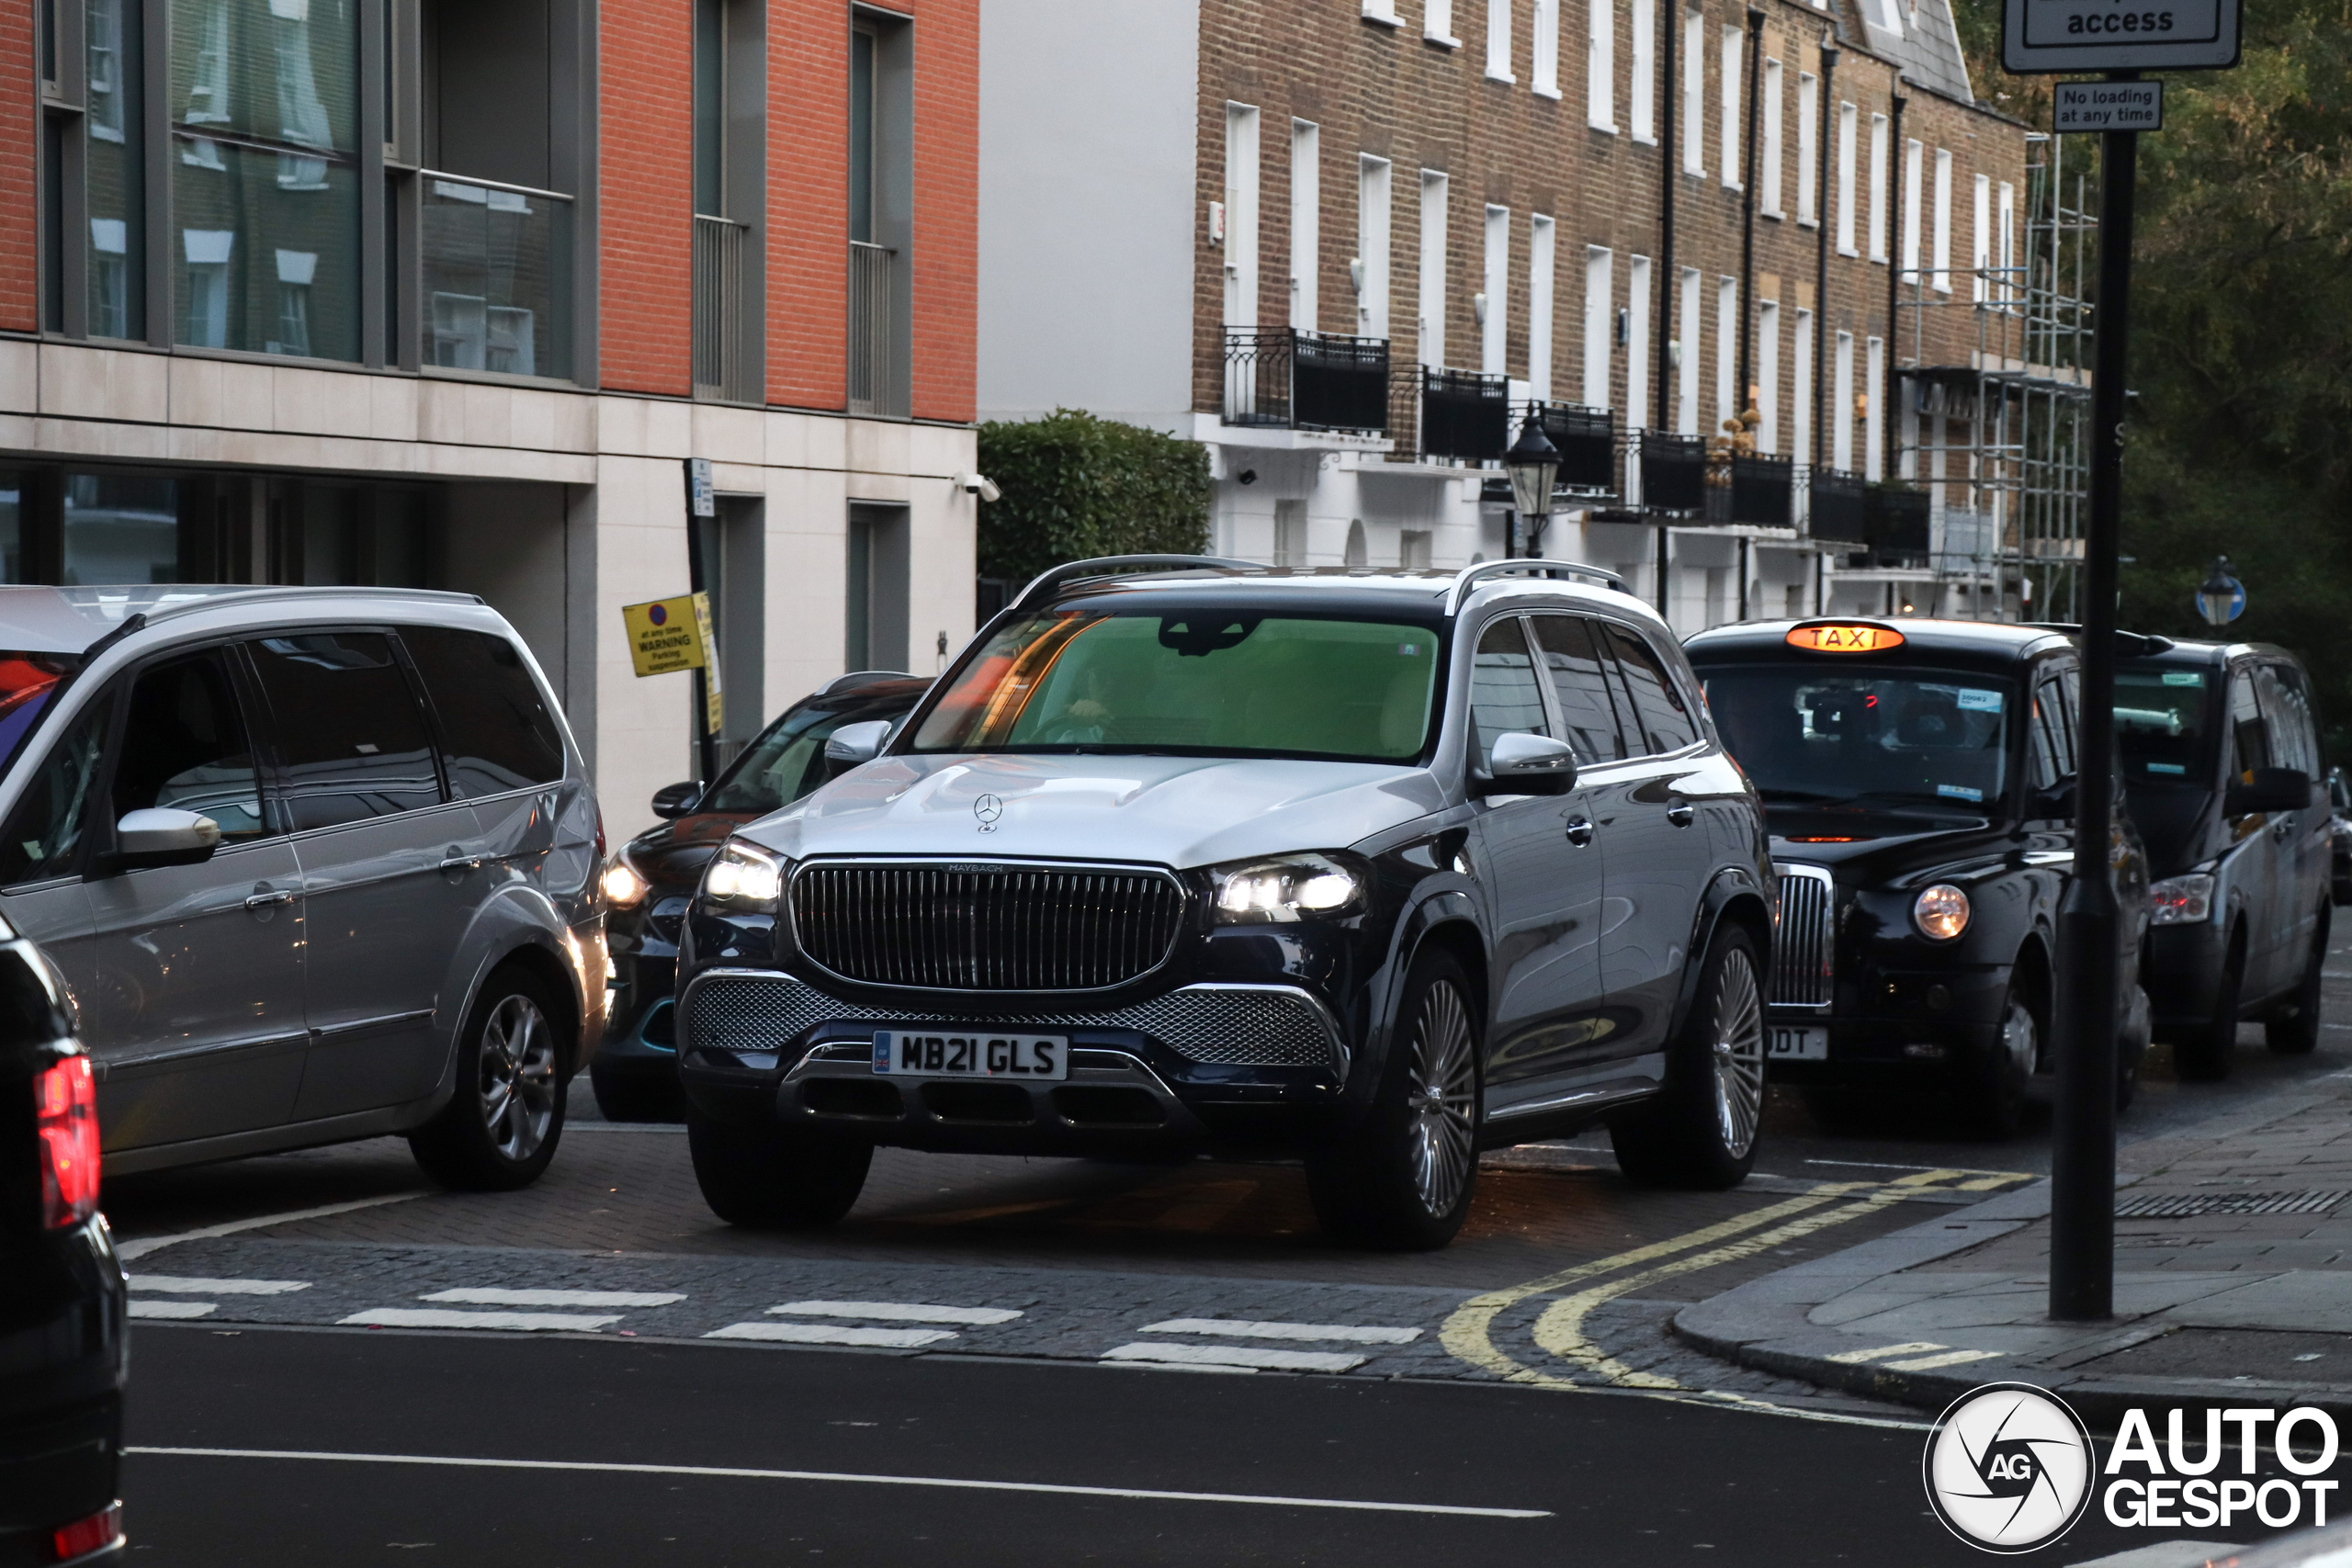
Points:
(1075, 486)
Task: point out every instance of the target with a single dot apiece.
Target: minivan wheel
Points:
(1401, 1178)
(2206, 1054)
(2293, 1030)
(501, 1127)
(1701, 1130)
(774, 1177)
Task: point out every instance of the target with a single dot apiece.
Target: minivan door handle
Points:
(1579, 830)
(456, 862)
(1678, 814)
(263, 896)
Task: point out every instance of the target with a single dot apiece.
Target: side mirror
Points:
(676, 800)
(1528, 765)
(855, 743)
(2271, 789)
(159, 836)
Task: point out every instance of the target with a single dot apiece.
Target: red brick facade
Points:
(19, 185)
(645, 196)
(946, 183)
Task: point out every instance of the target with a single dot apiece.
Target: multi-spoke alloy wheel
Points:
(1442, 1098)
(1700, 1130)
(1739, 1054)
(517, 1076)
(502, 1124)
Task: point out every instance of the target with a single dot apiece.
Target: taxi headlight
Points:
(743, 878)
(1294, 887)
(1940, 912)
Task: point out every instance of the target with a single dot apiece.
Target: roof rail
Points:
(1046, 581)
(193, 602)
(2139, 644)
(856, 678)
(1471, 576)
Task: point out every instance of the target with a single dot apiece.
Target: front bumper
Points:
(1900, 1024)
(1198, 1064)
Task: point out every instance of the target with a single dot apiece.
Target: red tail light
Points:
(86, 1536)
(65, 1107)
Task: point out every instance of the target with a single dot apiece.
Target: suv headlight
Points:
(1940, 912)
(743, 878)
(622, 884)
(1294, 887)
(2182, 901)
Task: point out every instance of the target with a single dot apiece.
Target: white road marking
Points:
(172, 1309)
(897, 1312)
(494, 1297)
(1048, 1488)
(832, 1334)
(441, 1317)
(1236, 1355)
(1244, 1328)
(189, 1285)
(140, 1248)
(1930, 1363)
(1862, 1358)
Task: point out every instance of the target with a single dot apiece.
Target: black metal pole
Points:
(1824, 112)
(2082, 1201)
(1891, 205)
(1669, 170)
(706, 744)
(1747, 221)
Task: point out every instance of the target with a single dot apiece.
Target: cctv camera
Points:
(979, 485)
(1247, 476)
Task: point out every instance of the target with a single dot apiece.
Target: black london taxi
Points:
(1918, 780)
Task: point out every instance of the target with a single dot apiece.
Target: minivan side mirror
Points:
(855, 743)
(1528, 765)
(674, 801)
(2271, 789)
(161, 836)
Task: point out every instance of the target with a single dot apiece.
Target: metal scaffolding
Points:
(2000, 436)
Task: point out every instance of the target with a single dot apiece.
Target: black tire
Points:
(1993, 1085)
(2293, 1030)
(636, 1096)
(2207, 1054)
(1700, 1133)
(1401, 1178)
(502, 1125)
(774, 1177)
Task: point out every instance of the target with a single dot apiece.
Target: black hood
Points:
(672, 856)
(1863, 846)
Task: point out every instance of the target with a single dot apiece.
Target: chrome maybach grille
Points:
(955, 926)
(1801, 959)
(1233, 1025)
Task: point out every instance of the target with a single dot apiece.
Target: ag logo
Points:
(2008, 1468)
(988, 808)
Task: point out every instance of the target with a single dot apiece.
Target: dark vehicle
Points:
(1377, 869)
(2340, 837)
(648, 883)
(1918, 780)
(2218, 746)
(61, 1289)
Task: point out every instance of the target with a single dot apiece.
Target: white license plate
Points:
(924, 1053)
(1796, 1044)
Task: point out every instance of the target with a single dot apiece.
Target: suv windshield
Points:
(787, 760)
(2163, 725)
(1211, 682)
(1929, 736)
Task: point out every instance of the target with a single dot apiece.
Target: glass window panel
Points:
(497, 279)
(351, 741)
(12, 525)
(120, 529)
(1661, 716)
(2249, 727)
(1581, 686)
(114, 171)
(2163, 725)
(1902, 737)
(45, 833)
(184, 747)
(498, 731)
(861, 137)
(1504, 697)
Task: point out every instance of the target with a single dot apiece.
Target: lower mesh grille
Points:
(1235, 1028)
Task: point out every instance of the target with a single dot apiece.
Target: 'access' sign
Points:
(2040, 37)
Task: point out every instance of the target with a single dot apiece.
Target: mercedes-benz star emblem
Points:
(2008, 1468)
(988, 808)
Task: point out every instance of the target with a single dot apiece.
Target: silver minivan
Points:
(316, 864)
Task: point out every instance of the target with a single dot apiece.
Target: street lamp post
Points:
(2220, 597)
(1533, 462)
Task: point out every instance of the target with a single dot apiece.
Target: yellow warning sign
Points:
(666, 636)
(714, 700)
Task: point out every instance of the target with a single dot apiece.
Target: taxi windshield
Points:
(1889, 737)
(2164, 728)
(1211, 682)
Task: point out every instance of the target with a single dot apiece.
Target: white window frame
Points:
(1374, 194)
(1879, 131)
(1430, 307)
(1241, 187)
(1600, 65)
(1641, 87)
(1767, 376)
(1494, 332)
(1733, 39)
(1600, 294)
(1911, 150)
(1306, 224)
(1437, 23)
(1800, 400)
(1637, 365)
(1873, 427)
(1384, 12)
(1543, 241)
(1727, 401)
(1499, 42)
(2008, 240)
(1686, 338)
(1544, 50)
(1841, 405)
(1808, 149)
(1846, 116)
(1695, 93)
(1768, 156)
(1980, 238)
(1944, 221)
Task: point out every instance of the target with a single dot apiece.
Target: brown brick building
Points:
(1349, 243)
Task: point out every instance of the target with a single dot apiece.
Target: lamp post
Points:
(1533, 462)
(2221, 598)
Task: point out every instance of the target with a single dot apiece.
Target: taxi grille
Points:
(1801, 957)
(987, 928)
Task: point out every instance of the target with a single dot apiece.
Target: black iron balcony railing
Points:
(1587, 441)
(1464, 415)
(1895, 516)
(1290, 379)
(721, 367)
(1674, 473)
(1762, 491)
(497, 277)
(1836, 511)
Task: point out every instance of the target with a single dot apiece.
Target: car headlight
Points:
(2182, 901)
(1940, 912)
(622, 884)
(1294, 887)
(743, 878)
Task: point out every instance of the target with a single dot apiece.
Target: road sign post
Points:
(702, 502)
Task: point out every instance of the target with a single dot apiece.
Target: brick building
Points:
(441, 292)
(1349, 243)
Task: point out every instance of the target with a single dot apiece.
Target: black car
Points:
(1918, 780)
(635, 1074)
(63, 1348)
(2339, 836)
(2219, 746)
(1373, 869)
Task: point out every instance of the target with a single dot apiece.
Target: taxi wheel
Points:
(502, 1125)
(2206, 1055)
(2294, 1029)
(1701, 1130)
(1997, 1078)
(774, 1177)
(1401, 1178)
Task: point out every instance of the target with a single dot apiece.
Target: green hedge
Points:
(1075, 486)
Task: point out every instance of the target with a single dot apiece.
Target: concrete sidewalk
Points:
(2232, 1285)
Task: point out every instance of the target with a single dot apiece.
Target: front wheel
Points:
(1402, 1177)
(1996, 1082)
(2294, 1029)
(1700, 1130)
(2206, 1054)
(501, 1127)
(772, 1178)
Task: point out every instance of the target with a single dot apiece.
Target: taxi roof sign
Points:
(1844, 636)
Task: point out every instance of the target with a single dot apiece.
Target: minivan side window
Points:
(184, 747)
(2249, 729)
(2053, 735)
(1580, 681)
(51, 816)
(351, 741)
(1661, 721)
(495, 731)
(2287, 707)
(1504, 697)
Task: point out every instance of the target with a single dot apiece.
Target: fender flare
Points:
(532, 929)
(1422, 918)
(1732, 888)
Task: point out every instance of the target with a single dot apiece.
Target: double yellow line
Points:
(1468, 1334)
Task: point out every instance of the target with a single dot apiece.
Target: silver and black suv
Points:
(1185, 854)
(315, 864)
